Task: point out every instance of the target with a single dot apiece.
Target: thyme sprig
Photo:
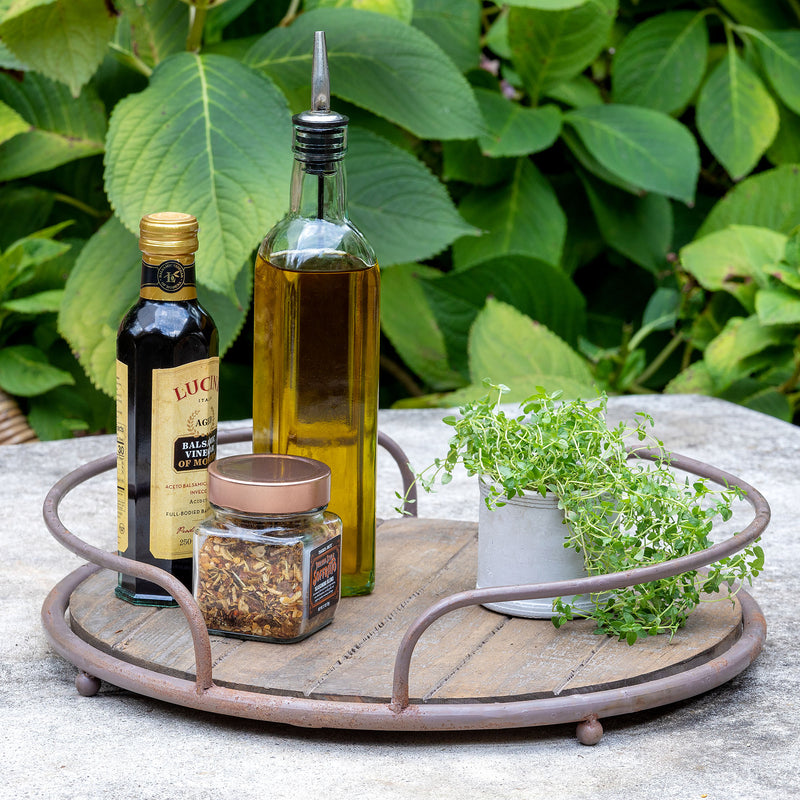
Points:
(620, 513)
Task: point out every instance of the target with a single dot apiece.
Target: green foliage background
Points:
(562, 193)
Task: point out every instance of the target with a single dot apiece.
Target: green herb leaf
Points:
(644, 147)
(25, 371)
(380, 179)
(62, 39)
(194, 141)
(736, 116)
(379, 63)
(61, 128)
(661, 62)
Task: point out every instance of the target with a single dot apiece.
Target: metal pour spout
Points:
(320, 77)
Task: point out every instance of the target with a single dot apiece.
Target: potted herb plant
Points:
(612, 513)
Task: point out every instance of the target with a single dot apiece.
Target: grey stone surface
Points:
(738, 741)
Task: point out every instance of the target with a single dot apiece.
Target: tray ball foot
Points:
(589, 730)
(87, 685)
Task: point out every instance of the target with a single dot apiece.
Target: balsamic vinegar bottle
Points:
(167, 390)
(317, 329)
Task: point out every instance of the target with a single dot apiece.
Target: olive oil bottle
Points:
(317, 329)
(167, 390)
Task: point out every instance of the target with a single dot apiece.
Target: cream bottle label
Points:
(122, 457)
(183, 444)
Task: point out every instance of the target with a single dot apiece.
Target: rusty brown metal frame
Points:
(399, 713)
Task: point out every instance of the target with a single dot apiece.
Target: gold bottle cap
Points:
(168, 233)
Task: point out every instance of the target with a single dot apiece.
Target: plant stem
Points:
(396, 371)
(656, 363)
(80, 205)
(197, 21)
(291, 13)
(130, 59)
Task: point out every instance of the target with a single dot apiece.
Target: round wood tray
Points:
(471, 668)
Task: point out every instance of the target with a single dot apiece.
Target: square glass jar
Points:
(271, 574)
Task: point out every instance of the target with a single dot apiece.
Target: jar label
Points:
(122, 457)
(323, 588)
(183, 444)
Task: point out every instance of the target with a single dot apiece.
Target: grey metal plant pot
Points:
(523, 542)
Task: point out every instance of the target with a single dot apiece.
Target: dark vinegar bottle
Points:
(167, 390)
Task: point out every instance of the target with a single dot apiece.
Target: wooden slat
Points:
(469, 654)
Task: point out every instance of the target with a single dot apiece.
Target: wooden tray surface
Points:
(469, 655)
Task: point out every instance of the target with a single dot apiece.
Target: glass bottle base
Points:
(138, 599)
(358, 584)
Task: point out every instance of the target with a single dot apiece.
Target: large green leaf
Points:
(513, 129)
(726, 356)
(378, 63)
(765, 14)
(661, 62)
(399, 205)
(736, 116)
(638, 227)
(62, 39)
(778, 307)
(522, 216)
(549, 5)
(736, 259)
(509, 347)
(463, 161)
(409, 324)
(399, 9)
(541, 291)
(780, 54)
(149, 32)
(785, 148)
(11, 123)
(550, 47)
(23, 209)
(770, 200)
(210, 137)
(455, 25)
(25, 372)
(103, 288)
(644, 147)
(61, 128)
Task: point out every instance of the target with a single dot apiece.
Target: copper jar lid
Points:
(269, 484)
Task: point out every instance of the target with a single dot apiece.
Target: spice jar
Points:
(267, 559)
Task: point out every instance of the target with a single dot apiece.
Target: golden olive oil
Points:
(315, 390)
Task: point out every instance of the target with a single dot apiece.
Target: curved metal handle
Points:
(598, 583)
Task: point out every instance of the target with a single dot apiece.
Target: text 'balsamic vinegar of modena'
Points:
(167, 392)
(317, 329)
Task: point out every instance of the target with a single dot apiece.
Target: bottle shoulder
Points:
(171, 321)
(295, 235)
